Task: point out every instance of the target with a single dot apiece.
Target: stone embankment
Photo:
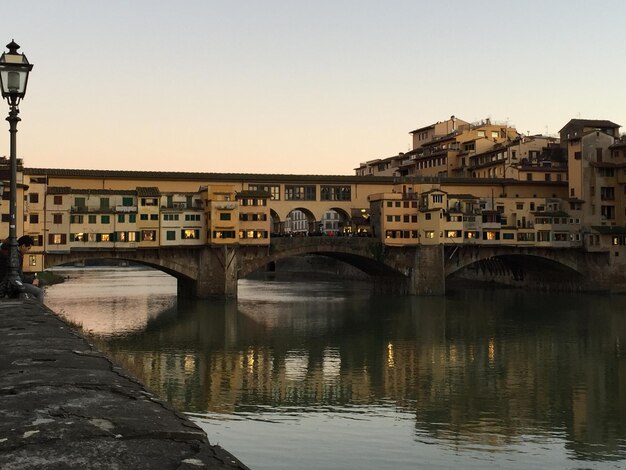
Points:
(64, 405)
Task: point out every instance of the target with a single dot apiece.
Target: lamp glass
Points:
(14, 70)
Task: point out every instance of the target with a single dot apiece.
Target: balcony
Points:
(125, 208)
(228, 206)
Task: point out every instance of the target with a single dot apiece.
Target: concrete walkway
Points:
(64, 405)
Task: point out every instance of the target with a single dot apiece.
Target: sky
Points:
(299, 87)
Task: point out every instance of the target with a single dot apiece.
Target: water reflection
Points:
(479, 371)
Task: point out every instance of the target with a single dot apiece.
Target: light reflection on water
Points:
(323, 375)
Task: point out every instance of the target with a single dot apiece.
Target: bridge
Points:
(205, 271)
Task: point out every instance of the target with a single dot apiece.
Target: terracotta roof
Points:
(610, 229)
(203, 177)
(550, 214)
(252, 193)
(602, 123)
(148, 191)
(69, 190)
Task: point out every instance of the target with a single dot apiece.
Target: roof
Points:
(434, 190)
(550, 214)
(590, 123)
(203, 177)
(68, 190)
(462, 196)
(148, 191)
(252, 193)
(607, 164)
(609, 229)
(425, 128)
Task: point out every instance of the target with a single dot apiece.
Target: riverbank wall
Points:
(65, 405)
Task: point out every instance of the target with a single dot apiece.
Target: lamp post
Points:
(14, 70)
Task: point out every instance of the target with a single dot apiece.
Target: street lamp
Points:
(14, 70)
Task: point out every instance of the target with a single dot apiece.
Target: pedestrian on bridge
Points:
(30, 284)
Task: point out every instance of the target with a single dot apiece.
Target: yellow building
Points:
(254, 217)
(222, 212)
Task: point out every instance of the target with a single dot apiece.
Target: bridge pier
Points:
(217, 273)
(428, 276)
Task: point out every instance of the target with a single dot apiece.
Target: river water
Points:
(323, 375)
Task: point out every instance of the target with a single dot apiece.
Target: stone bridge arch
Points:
(189, 265)
(530, 267)
(400, 270)
(360, 255)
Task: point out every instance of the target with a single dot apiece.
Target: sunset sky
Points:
(306, 87)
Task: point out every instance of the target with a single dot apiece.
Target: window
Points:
(389, 204)
(121, 218)
(132, 218)
(6, 218)
(224, 215)
(437, 197)
(105, 219)
(170, 217)
(508, 236)
(548, 177)
(104, 203)
(299, 193)
(92, 219)
(57, 218)
(105, 237)
(529, 176)
(218, 234)
(491, 235)
(390, 218)
(190, 234)
(57, 238)
(148, 235)
(427, 216)
(453, 234)
(154, 216)
(608, 212)
(192, 217)
(127, 201)
(148, 201)
(58, 200)
(170, 235)
(429, 233)
(607, 193)
(335, 193)
(33, 218)
(79, 202)
(543, 236)
(274, 190)
(33, 198)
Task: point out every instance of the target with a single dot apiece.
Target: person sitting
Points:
(30, 285)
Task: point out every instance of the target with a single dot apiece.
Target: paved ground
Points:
(64, 405)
